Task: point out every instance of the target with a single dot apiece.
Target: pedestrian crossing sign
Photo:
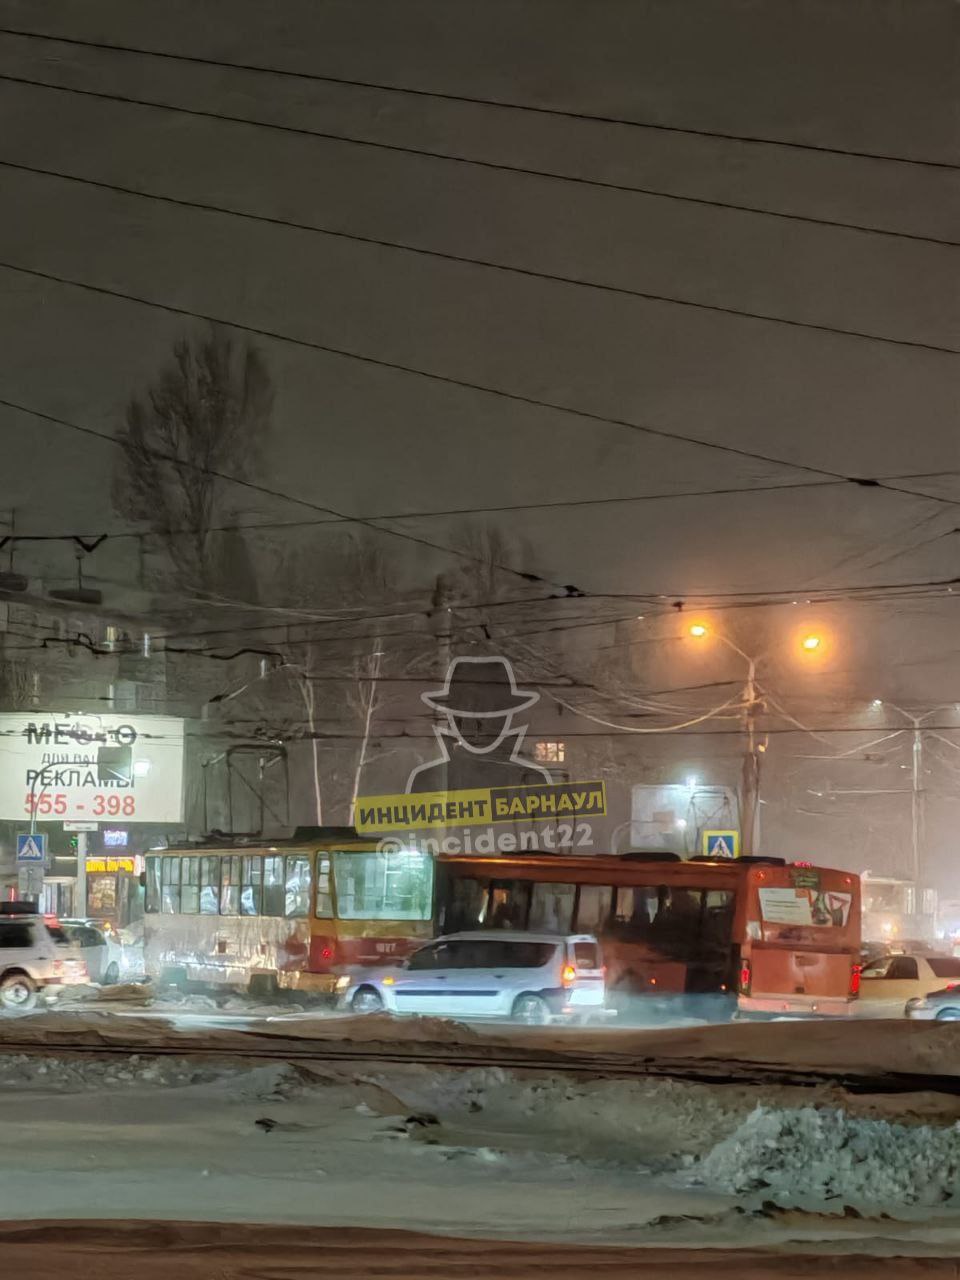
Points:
(721, 844)
(31, 847)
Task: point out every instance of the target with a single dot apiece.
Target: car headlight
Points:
(343, 982)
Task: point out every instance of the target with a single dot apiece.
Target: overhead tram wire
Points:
(486, 264)
(335, 522)
(491, 165)
(476, 100)
(513, 397)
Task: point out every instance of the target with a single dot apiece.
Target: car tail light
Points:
(855, 979)
(745, 977)
(568, 975)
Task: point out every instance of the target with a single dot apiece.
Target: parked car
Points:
(109, 959)
(936, 1006)
(888, 982)
(529, 977)
(36, 959)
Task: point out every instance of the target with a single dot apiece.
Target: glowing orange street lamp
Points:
(810, 643)
(698, 630)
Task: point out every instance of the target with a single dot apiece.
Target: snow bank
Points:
(29, 1071)
(806, 1155)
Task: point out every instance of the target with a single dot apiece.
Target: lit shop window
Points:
(549, 752)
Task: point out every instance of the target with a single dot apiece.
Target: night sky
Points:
(536, 372)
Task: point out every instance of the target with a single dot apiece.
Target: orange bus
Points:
(285, 914)
(775, 937)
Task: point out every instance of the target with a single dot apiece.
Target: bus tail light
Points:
(855, 979)
(568, 975)
(745, 977)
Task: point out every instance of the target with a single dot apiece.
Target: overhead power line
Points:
(476, 100)
(444, 379)
(499, 166)
(304, 502)
(488, 264)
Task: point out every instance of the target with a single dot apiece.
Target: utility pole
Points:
(917, 793)
(750, 772)
(917, 807)
(30, 883)
(441, 624)
(80, 906)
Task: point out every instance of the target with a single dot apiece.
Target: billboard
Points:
(480, 779)
(91, 767)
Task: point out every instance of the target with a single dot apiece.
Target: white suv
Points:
(529, 977)
(35, 956)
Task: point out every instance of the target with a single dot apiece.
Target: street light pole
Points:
(750, 770)
(752, 703)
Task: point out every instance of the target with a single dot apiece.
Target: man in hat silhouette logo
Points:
(479, 745)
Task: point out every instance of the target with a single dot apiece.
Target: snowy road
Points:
(117, 1250)
(476, 1150)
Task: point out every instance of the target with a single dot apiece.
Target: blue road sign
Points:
(721, 844)
(31, 848)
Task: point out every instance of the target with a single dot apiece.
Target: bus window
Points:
(717, 929)
(251, 886)
(594, 908)
(324, 900)
(635, 909)
(509, 904)
(230, 886)
(273, 886)
(170, 886)
(209, 886)
(384, 886)
(551, 907)
(297, 887)
(467, 907)
(190, 886)
(151, 898)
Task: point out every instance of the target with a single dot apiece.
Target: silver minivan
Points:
(529, 977)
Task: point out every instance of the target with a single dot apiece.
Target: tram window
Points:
(151, 898)
(551, 907)
(594, 907)
(230, 886)
(251, 893)
(209, 886)
(384, 885)
(297, 887)
(324, 900)
(467, 904)
(170, 886)
(273, 886)
(190, 886)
